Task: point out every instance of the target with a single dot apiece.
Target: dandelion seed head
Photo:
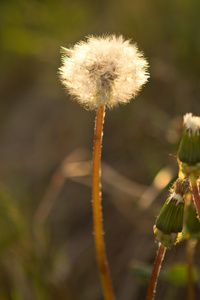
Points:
(103, 71)
(192, 123)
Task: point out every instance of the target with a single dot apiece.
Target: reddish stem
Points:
(97, 209)
(156, 270)
(195, 191)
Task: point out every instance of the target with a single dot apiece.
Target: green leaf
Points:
(177, 274)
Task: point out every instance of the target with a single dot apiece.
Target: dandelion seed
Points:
(103, 71)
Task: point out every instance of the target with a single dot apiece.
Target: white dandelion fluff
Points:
(191, 123)
(103, 71)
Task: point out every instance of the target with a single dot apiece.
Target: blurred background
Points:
(46, 235)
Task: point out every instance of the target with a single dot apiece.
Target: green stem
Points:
(155, 273)
(97, 209)
(191, 243)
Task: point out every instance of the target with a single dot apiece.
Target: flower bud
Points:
(165, 239)
(189, 150)
(170, 220)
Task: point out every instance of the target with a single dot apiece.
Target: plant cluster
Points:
(180, 215)
(104, 72)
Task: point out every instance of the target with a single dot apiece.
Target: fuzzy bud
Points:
(169, 222)
(189, 150)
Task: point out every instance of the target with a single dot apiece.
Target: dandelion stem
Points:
(191, 243)
(97, 209)
(156, 270)
(195, 191)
